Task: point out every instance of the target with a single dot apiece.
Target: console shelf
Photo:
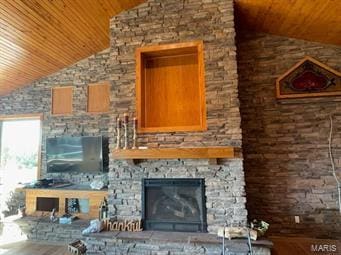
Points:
(176, 153)
(62, 194)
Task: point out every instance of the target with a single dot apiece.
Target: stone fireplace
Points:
(174, 204)
(220, 187)
(157, 22)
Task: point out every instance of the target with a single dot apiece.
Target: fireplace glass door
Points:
(174, 205)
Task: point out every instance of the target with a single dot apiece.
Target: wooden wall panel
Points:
(98, 97)
(62, 98)
(164, 79)
(170, 88)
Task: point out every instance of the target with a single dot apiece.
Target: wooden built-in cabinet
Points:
(95, 198)
(170, 88)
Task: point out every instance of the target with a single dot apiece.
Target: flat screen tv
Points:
(74, 154)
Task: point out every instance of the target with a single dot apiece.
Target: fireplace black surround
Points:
(174, 204)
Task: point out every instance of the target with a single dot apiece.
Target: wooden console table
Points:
(94, 196)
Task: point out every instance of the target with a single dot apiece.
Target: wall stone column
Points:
(161, 22)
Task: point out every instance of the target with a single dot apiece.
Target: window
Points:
(19, 150)
(19, 157)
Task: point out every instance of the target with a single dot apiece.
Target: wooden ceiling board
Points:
(46, 29)
(313, 20)
(40, 37)
(25, 30)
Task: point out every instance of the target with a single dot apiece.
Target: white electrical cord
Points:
(332, 160)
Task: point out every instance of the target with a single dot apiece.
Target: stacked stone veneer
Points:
(155, 22)
(41, 228)
(285, 142)
(224, 188)
(36, 98)
(165, 243)
(162, 22)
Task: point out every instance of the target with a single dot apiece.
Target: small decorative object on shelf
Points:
(125, 124)
(260, 226)
(67, 218)
(134, 134)
(77, 247)
(95, 226)
(237, 232)
(118, 131)
(123, 225)
(103, 209)
(53, 215)
(21, 211)
(73, 205)
(97, 184)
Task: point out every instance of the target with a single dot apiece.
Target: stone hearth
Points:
(136, 243)
(166, 243)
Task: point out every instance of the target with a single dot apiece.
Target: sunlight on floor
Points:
(11, 232)
(3, 251)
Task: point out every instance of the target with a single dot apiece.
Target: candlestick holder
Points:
(125, 125)
(134, 134)
(118, 134)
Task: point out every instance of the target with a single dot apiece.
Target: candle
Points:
(119, 123)
(126, 118)
(135, 122)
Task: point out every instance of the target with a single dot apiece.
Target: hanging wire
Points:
(332, 161)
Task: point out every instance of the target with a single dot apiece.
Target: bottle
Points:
(105, 209)
(100, 210)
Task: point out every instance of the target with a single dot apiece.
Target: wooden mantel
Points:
(176, 153)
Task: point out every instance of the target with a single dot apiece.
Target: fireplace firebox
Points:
(174, 204)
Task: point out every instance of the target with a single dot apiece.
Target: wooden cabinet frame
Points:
(95, 197)
(170, 87)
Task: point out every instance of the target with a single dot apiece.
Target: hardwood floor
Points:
(304, 246)
(282, 246)
(33, 248)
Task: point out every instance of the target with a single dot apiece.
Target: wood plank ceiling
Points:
(313, 20)
(40, 37)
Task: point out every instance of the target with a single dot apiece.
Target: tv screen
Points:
(74, 154)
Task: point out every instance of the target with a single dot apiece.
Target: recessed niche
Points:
(98, 97)
(170, 88)
(47, 204)
(62, 100)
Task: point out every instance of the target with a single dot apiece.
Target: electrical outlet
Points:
(297, 219)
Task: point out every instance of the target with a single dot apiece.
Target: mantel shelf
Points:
(176, 153)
